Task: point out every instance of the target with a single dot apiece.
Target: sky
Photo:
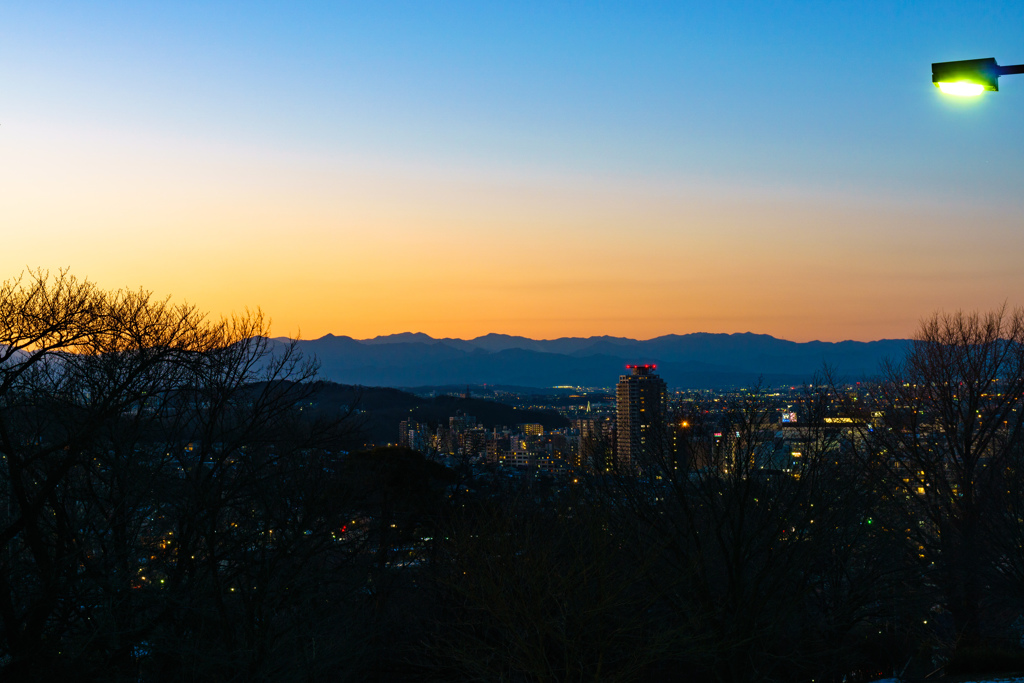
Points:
(544, 169)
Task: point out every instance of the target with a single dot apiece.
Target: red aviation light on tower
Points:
(645, 367)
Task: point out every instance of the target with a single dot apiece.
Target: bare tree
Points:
(757, 546)
(166, 506)
(945, 445)
(73, 358)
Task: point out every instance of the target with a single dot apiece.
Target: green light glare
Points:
(961, 88)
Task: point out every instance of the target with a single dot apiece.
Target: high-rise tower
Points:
(641, 407)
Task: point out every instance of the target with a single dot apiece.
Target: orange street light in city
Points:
(970, 77)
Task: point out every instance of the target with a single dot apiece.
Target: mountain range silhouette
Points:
(692, 361)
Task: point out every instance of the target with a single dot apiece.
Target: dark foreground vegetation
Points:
(171, 510)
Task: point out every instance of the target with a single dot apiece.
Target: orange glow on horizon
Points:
(366, 249)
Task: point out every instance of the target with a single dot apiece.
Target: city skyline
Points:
(544, 171)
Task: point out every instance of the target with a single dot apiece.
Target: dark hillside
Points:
(381, 409)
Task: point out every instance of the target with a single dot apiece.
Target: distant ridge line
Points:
(695, 360)
(403, 337)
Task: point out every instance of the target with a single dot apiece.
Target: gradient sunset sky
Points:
(544, 169)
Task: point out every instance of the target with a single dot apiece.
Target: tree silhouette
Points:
(158, 488)
(946, 448)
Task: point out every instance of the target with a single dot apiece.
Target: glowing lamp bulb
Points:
(961, 88)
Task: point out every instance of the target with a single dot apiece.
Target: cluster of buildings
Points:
(639, 430)
(526, 446)
(598, 441)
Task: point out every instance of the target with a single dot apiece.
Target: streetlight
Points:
(970, 77)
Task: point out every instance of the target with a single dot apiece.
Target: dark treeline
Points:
(171, 510)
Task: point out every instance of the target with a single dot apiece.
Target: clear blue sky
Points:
(825, 105)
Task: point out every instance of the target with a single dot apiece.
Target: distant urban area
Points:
(563, 431)
(186, 499)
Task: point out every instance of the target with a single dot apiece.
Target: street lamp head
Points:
(967, 77)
